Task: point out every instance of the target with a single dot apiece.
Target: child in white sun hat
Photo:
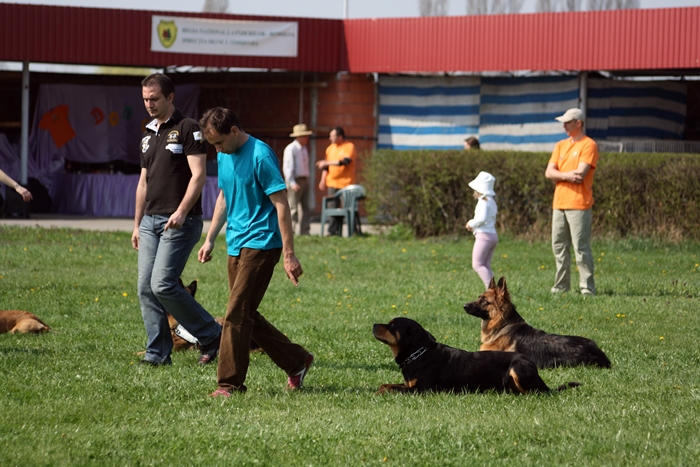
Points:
(483, 225)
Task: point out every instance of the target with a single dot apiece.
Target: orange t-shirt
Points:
(566, 157)
(340, 176)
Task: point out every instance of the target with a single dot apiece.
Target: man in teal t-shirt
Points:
(253, 203)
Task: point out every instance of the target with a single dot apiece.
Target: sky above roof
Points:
(312, 8)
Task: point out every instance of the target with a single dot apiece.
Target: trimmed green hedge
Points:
(635, 194)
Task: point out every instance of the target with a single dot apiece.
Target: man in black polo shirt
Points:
(168, 223)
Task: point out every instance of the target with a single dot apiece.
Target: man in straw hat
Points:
(295, 166)
(571, 168)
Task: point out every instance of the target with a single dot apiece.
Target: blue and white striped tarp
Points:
(427, 113)
(518, 113)
(620, 110)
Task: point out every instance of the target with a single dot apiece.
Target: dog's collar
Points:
(413, 357)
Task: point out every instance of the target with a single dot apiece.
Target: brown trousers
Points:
(248, 277)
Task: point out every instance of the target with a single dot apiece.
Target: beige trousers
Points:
(572, 227)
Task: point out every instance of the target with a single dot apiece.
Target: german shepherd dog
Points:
(502, 328)
(430, 366)
(24, 322)
(183, 340)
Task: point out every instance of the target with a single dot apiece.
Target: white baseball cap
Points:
(571, 114)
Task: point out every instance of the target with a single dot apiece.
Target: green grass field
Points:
(76, 396)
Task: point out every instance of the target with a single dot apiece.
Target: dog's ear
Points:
(492, 284)
(192, 288)
(501, 282)
(179, 281)
(503, 289)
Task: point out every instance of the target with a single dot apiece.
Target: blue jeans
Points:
(162, 258)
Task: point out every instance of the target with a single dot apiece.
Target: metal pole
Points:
(24, 135)
(312, 145)
(301, 97)
(345, 9)
(583, 93)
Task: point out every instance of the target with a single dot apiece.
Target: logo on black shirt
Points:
(144, 143)
(174, 136)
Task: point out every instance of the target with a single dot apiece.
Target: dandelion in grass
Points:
(504, 256)
(124, 294)
(661, 338)
(97, 299)
(343, 257)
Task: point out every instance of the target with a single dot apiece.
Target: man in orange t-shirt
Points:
(571, 168)
(338, 171)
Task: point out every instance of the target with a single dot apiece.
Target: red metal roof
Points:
(100, 36)
(591, 40)
(619, 40)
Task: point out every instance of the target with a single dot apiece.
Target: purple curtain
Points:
(91, 124)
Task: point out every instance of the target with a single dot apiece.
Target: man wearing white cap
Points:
(571, 168)
(295, 165)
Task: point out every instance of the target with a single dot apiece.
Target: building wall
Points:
(349, 102)
(268, 106)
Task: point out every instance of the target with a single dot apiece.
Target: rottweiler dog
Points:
(503, 329)
(430, 366)
(24, 322)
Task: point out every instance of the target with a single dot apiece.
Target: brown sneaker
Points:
(295, 381)
(220, 393)
(209, 352)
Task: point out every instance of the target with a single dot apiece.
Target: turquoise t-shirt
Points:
(248, 177)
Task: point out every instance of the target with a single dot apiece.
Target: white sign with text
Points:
(177, 34)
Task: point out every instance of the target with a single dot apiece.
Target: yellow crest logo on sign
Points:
(167, 32)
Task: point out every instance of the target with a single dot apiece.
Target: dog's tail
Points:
(571, 384)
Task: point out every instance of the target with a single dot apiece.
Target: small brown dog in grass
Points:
(427, 365)
(13, 321)
(502, 328)
(183, 340)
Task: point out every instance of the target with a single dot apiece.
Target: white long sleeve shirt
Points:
(295, 162)
(484, 215)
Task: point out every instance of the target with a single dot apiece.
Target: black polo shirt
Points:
(164, 156)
